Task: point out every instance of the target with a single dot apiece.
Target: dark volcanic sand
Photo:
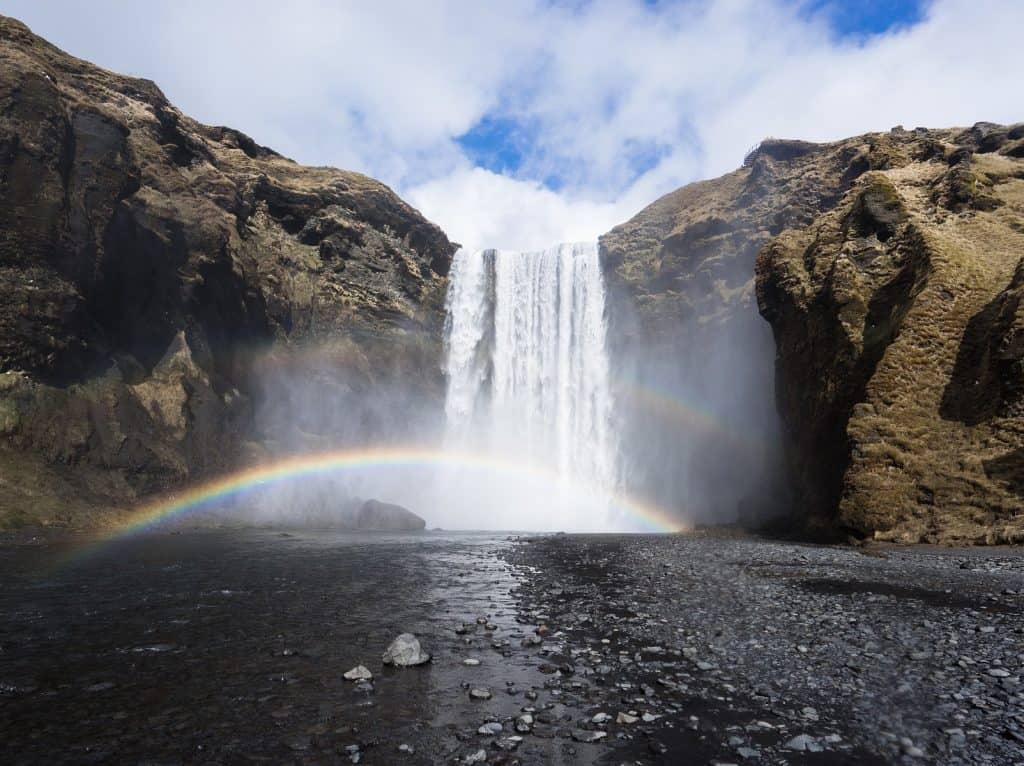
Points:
(229, 647)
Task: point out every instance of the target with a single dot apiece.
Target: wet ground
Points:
(229, 647)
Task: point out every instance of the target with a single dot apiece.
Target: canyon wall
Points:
(888, 267)
(174, 292)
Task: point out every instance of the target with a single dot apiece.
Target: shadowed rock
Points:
(375, 516)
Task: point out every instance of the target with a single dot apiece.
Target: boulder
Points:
(375, 516)
(405, 651)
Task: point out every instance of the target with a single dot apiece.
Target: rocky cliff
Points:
(889, 267)
(166, 285)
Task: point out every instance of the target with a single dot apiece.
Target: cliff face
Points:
(684, 310)
(897, 315)
(158, 274)
(889, 269)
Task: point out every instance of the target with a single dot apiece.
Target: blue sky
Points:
(521, 123)
(862, 18)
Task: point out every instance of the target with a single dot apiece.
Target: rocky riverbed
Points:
(233, 647)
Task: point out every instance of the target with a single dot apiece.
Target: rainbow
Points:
(178, 505)
(685, 415)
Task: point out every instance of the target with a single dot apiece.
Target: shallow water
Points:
(227, 647)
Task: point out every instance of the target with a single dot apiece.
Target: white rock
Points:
(358, 673)
(803, 742)
(405, 651)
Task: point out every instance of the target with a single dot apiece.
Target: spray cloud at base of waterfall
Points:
(529, 380)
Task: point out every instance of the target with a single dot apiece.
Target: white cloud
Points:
(487, 209)
(686, 88)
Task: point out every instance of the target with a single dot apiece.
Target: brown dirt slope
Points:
(152, 267)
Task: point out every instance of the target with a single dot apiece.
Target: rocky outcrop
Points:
(896, 315)
(888, 266)
(159, 274)
(375, 516)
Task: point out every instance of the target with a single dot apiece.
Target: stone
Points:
(358, 673)
(802, 743)
(405, 651)
(375, 516)
(626, 718)
(509, 743)
(480, 693)
(490, 729)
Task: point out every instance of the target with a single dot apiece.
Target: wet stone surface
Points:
(697, 649)
(231, 647)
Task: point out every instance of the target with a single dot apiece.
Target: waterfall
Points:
(528, 375)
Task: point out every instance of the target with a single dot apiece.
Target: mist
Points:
(549, 406)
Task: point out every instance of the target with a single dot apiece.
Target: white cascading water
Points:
(528, 385)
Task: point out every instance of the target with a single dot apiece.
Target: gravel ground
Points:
(231, 648)
(710, 649)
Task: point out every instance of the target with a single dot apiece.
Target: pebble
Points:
(358, 673)
(802, 743)
(583, 735)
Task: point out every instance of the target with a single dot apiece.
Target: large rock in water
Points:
(375, 516)
(405, 651)
(174, 293)
(889, 269)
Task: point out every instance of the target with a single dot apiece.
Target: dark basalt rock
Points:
(375, 516)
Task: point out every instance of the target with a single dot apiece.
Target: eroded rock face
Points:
(896, 315)
(888, 268)
(695, 361)
(156, 272)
